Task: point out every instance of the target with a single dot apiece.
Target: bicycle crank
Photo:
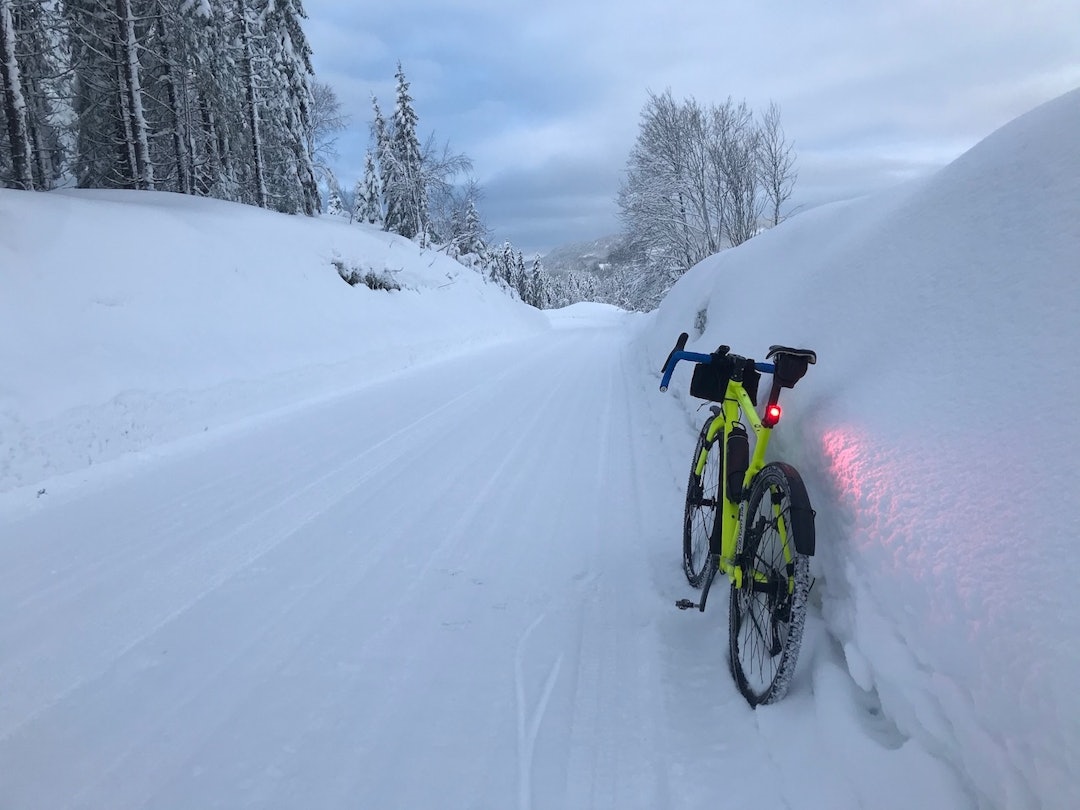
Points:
(713, 566)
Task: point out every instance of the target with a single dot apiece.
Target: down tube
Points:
(730, 511)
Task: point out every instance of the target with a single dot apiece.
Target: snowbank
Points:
(131, 318)
(937, 440)
(589, 314)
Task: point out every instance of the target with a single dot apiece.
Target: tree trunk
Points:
(208, 170)
(261, 196)
(14, 103)
(183, 157)
(42, 157)
(132, 87)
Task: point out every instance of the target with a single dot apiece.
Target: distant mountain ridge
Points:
(601, 257)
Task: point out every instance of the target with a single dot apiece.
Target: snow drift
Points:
(937, 440)
(132, 318)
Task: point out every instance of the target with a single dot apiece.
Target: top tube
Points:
(698, 357)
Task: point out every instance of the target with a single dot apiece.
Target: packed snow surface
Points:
(268, 540)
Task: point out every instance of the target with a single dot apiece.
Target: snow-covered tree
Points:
(217, 90)
(369, 198)
(16, 113)
(113, 134)
(418, 190)
(289, 106)
(777, 163)
(403, 189)
(697, 181)
(335, 206)
(383, 155)
(158, 33)
(469, 237)
(519, 277)
(131, 88)
(356, 213)
(538, 293)
(42, 57)
(248, 23)
(207, 97)
(439, 169)
(326, 121)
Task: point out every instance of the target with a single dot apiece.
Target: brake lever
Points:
(680, 344)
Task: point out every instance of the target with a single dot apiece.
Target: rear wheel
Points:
(702, 504)
(767, 614)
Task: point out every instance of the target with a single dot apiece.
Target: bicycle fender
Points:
(801, 513)
(802, 520)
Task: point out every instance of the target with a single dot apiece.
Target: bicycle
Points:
(748, 519)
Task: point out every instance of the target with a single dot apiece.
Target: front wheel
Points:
(767, 613)
(702, 503)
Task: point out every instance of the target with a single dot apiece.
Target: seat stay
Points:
(761, 437)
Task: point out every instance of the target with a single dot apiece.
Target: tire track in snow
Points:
(210, 564)
(529, 727)
(510, 443)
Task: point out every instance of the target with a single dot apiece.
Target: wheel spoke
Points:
(702, 496)
(764, 645)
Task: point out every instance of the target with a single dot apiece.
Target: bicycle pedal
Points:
(685, 604)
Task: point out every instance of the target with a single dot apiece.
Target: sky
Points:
(545, 98)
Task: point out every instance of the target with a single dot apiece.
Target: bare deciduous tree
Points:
(777, 158)
(438, 171)
(695, 182)
(327, 120)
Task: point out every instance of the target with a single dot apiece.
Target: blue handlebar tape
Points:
(698, 357)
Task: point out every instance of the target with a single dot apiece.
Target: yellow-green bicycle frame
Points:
(736, 401)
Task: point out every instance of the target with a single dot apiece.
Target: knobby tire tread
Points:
(697, 520)
(799, 519)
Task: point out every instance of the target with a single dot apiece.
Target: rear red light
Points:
(772, 415)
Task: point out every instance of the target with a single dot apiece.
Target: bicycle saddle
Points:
(808, 354)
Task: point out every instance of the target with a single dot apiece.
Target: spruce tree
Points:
(164, 47)
(471, 237)
(537, 286)
(406, 197)
(384, 159)
(43, 57)
(216, 99)
(247, 29)
(290, 105)
(335, 205)
(14, 102)
(372, 194)
(127, 52)
(357, 212)
(113, 134)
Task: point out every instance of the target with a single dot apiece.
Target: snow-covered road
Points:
(451, 588)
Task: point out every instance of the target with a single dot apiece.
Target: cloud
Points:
(545, 97)
(562, 201)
